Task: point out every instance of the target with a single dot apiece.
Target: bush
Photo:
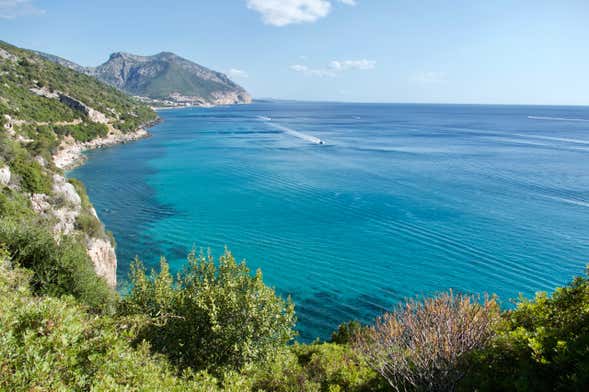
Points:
(211, 316)
(346, 332)
(50, 344)
(423, 345)
(81, 190)
(58, 269)
(90, 225)
(543, 345)
(314, 367)
(83, 132)
(31, 175)
(14, 204)
(44, 140)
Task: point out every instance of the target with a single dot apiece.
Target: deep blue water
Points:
(402, 200)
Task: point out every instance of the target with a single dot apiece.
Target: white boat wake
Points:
(292, 132)
(557, 118)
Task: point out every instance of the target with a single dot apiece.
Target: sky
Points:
(435, 51)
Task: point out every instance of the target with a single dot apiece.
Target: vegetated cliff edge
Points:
(50, 114)
(164, 79)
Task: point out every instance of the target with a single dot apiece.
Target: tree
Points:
(210, 316)
(422, 345)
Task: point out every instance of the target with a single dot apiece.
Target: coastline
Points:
(71, 153)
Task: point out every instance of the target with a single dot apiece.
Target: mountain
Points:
(165, 79)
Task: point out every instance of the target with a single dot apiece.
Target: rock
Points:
(44, 92)
(70, 151)
(40, 203)
(93, 115)
(102, 254)
(7, 56)
(9, 125)
(40, 160)
(66, 220)
(66, 190)
(4, 175)
(96, 116)
(69, 205)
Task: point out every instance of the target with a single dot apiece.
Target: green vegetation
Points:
(83, 132)
(17, 78)
(54, 344)
(212, 317)
(181, 333)
(176, 79)
(57, 269)
(32, 177)
(543, 345)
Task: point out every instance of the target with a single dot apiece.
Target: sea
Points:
(352, 208)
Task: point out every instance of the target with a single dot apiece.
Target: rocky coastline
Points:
(71, 153)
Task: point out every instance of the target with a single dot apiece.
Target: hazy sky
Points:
(494, 51)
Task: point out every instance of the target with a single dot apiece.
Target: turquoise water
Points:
(401, 200)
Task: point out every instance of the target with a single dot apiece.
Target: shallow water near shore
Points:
(401, 200)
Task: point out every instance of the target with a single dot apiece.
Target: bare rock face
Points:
(104, 258)
(93, 115)
(97, 117)
(4, 175)
(70, 205)
(63, 208)
(7, 56)
(44, 92)
(40, 203)
(63, 188)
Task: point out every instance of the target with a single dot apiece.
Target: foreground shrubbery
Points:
(213, 316)
(53, 344)
(543, 345)
(216, 326)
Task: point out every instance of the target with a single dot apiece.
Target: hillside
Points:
(49, 114)
(165, 79)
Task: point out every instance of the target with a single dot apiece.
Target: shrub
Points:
(14, 204)
(58, 269)
(31, 175)
(543, 345)
(81, 190)
(90, 225)
(422, 345)
(210, 316)
(346, 332)
(51, 344)
(83, 132)
(315, 367)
